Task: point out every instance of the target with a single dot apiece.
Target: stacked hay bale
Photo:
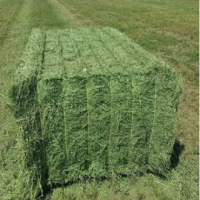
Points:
(92, 102)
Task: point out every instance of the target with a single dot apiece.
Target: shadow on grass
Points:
(48, 190)
(177, 150)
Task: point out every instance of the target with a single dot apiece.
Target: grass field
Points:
(166, 28)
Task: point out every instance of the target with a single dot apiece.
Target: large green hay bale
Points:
(91, 103)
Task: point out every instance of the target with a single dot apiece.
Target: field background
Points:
(169, 29)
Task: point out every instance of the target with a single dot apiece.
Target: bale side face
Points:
(23, 95)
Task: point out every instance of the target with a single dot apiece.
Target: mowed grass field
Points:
(166, 28)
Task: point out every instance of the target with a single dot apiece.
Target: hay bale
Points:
(95, 103)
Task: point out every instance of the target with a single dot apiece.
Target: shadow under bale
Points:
(178, 148)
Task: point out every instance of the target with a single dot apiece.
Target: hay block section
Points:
(91, 102)
(25, 108)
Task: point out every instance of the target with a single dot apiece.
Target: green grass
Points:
(166, 28)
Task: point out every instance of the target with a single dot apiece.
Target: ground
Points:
(166, 28)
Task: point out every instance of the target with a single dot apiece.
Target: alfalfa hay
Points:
(91, 102)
